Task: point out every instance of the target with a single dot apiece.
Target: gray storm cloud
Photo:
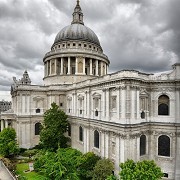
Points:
(135, 34)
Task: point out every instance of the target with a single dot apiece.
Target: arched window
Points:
(69, 130)
(80, 133)
(37, 128)
(96, 139)
(38, 110)
(142, 145)
(164, 145)
(163, 105)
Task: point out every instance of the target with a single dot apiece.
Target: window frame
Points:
(81, 137)
(37, 128)
(164, 143)
(96, 139)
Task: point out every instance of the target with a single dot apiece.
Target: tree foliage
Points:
(53, 128)
(88, 162)
(142, 170)
(8, 143)
(102, 169)
(60, 165)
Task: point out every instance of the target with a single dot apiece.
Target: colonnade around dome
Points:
(75, 66)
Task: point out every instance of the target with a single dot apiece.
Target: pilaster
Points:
(84, 65)
(69, 65)
(91, 73)
(62, 66)
(97, 74)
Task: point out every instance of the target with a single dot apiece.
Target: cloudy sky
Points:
(135, 34)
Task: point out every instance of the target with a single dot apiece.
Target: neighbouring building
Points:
(127, 114)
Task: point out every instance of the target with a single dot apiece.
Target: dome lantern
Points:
(77, 15)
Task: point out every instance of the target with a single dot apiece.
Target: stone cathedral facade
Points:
(124, 115)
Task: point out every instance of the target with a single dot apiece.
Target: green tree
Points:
(88, 162)
(60, 165)
(53, 128)
(8, 143)
(102, 169)
(142, 170)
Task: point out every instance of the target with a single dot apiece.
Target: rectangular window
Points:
(73, 70)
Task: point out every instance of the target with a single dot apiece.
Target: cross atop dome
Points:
(77, 14)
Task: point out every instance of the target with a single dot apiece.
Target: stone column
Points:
(138, 148)
(62, 66)
(75, 104)
(91, 73)
(177, 105)
(47, 67)
(55, 66)
(102, 136)
(128, 102)
(6, 123)
(138, 109)
(76, 65)
(118, 102)
(105, 68)
(88, 104)
(87, 145)
(97, 68)
(177, 159)
(2, 124)
(84, 65)
(50, 67)
(107, 145)
(123, 102)
(122, 150)
(85, 139)
(117, 153)
(69, 65)
(132, 103)
(101, 69)
(107, 104)
(104, 103)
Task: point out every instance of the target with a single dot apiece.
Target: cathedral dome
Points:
(77, 31)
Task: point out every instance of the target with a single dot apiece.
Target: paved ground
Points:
(4, 175)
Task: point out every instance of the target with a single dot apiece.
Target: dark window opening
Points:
(38, 110)
(166, 175)
(89, 46)
(79, 45)
(96, 112)
(142, 115)
(74, 44)
(142, 145)
(163, 105)
(37, 128)
(69, 130)
(73, 70)
(163, 109)
(63, 45)
(94, 72)
(86, 71)
(80, 133)
(69, 110)
(164, 146)
(96, 139)
(85, 45)
(66, 70)
(80, 111)
(68, 44)
(61, 104)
